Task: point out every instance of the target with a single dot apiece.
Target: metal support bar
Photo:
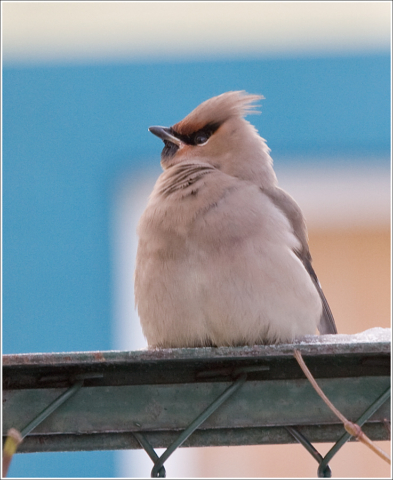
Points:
(158, 468)
(310, 448)
(9, 452)
(361, 420)
(151, 452)
(323, 468)
(124, 386)
(51, 408)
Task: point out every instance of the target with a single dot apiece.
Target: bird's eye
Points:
(201, 138)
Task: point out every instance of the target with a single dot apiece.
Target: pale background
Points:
(347, 206)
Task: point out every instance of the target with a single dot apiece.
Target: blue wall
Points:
(69, 134)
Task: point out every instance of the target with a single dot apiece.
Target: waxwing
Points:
(223, 256)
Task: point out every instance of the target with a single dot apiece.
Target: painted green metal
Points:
(174, 407)
(156, 471)
(159, 393)
(53, 406)
(324, 470)
(200, 438)
(311, 450)
(345, 437)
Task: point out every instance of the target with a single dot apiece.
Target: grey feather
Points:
(287, 204)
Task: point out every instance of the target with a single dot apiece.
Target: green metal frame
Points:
(152, 399)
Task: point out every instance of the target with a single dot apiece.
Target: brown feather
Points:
(217, 110)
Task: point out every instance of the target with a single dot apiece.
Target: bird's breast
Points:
(220, 252)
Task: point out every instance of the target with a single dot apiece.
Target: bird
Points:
(223, 257)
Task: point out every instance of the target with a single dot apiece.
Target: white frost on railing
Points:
(372, 335)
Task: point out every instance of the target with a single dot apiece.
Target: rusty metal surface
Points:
(330, 348)
(159, 392)
(193, 364)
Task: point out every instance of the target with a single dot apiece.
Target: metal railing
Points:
(233, 388)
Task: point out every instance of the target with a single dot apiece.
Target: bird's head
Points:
(217, 133)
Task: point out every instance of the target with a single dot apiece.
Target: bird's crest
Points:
(217, 110)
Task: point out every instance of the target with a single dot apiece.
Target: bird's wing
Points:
(326, 322)
(287, 204)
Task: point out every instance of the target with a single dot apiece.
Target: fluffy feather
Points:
(217, 110)
(223, 256)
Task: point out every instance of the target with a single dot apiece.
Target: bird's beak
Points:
(165, 134)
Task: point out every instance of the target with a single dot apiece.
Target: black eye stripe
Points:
(207, 130)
